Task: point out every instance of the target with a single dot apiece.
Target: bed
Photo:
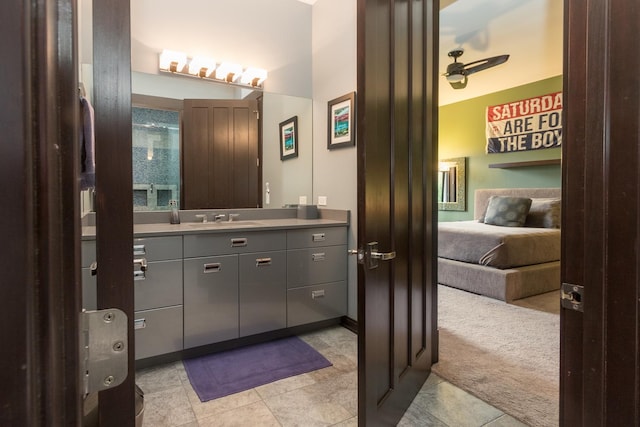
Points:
(503, 262)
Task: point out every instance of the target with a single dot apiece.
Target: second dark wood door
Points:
(220, 167)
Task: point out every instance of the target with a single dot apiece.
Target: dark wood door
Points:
(600, 358)
(220, 166)
(40, 296)
(397, 135)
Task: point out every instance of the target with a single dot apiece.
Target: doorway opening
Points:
(492, 340)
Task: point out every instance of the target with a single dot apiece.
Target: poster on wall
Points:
(529, 124)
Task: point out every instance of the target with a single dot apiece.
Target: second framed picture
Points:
(289, 138)
(341, 120)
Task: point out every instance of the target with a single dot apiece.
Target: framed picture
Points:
(341, 120)
(289, 138)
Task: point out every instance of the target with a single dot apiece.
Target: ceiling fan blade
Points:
(483, 64)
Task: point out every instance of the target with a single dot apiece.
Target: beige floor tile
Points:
(223, 404)
(167, 408)
(254, 415)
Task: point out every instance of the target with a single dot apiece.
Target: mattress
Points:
(495, 246)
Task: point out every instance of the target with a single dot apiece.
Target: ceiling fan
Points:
(457, 72)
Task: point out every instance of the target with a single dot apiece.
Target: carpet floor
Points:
(506, 355)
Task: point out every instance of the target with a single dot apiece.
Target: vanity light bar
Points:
(207, 68)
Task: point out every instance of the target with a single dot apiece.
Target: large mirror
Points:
(251, 38)
(452, 189)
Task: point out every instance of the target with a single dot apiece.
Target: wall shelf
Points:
(548, 162)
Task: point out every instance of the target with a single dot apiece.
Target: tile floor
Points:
(327, 397)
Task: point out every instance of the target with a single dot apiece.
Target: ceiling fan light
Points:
(455, 78)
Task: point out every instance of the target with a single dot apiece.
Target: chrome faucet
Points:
(218, 217)
(203, 217)
(233, 217)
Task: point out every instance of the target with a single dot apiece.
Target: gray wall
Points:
(272, 34)
(334, 74)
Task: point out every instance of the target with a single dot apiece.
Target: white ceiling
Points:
(530, 31)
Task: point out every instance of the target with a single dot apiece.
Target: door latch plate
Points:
(103, 349)
(572, 297)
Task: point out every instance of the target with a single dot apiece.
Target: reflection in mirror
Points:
(156, 158)
(289, 181)
(452, 185)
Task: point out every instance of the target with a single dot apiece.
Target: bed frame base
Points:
(506, 285)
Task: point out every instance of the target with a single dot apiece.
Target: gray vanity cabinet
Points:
(210, 300)
(157, 282)
(263, 292)
(316, 274)
(258, 286)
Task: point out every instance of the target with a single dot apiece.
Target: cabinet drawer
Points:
(316, 265)
(159, 286)
(158, 248)
(314, 303)
(313, 237)
(210, 300)
(149, 248)
(198, 245)
(263, 292)
(158, 331)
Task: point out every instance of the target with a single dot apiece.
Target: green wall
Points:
(462, 134)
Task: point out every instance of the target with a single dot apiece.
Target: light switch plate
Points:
(322, 200)
(302, 200)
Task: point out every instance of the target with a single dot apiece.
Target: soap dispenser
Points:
(175, 215)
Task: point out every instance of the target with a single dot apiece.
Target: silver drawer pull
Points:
(318, 237)
(318, 257)
(213, 267)
(317, 294)
(142, 262)
(239, 242)
(140, 274)
(93, 268)
(261, 262)
(139, 324)
(139, 250)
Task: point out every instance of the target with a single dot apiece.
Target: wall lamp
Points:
(208, 69)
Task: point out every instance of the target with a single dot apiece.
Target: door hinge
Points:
(258, 162)
(257, 114)
(572, 297)
(103, 349)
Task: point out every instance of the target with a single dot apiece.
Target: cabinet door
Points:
(210, 300)
(263, 292)
(158, 331)
(160, 285)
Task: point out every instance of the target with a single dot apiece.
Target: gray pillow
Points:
(507, 211)
(544, 213)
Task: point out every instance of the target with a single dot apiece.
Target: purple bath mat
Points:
(233, 371)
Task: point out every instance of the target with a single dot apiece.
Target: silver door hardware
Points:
(318, 237)
(372, 255)
(139, 250)
(260, 262)
(239, 242)
(317, 294)
(318, 257)
(140, 323)
(140, 274)
(103, 349)
(358, 252)
(572, 297)
(213, 267)
(93, 268)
